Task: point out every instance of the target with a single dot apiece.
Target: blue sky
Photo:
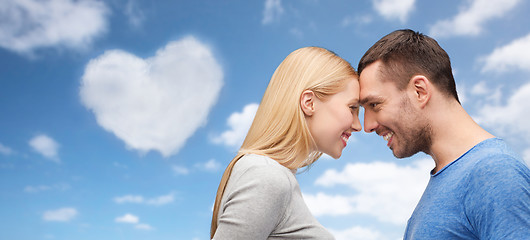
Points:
(118, 117)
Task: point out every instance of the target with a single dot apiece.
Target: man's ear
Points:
(307, 102)
(422, 88)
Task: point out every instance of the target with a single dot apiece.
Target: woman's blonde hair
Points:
(279, 129)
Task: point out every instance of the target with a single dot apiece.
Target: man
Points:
(479, 188)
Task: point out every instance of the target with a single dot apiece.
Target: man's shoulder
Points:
(496, 200)
(494, 156)
(497, 171)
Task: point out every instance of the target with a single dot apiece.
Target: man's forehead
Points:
(369, 80)
(372, 72)
(373, 79)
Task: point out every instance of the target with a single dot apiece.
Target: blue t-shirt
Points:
(484, 194)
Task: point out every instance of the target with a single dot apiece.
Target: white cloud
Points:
(487, 93)
(509, 120)
(45, 146)
(394, 9)
(132, 219)
(471, 18)
(134, 13)
(384, 190)
(129, 199)
(179, 170)
(356, 20)
(143, 226)
(119, 165)
(211, 165)
(30, 24)
(296, 32)
(127, 218)
(239, 123)
(514, 56)
(272, 12)
(5, 150)
(42, 188)
(323, 204)
(60, 215)
(49, 236)
(357, 233)
(155, 103)
(35, 189)
(480, 89)
(160, 200)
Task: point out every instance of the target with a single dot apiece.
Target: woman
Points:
(310, 107)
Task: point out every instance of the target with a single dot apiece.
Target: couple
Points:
(479, 189)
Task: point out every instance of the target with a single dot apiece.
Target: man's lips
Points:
(388, 137)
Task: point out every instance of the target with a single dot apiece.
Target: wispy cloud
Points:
(32, 24)
(356, 20)
(133, 219)
(161, 200)
(326, 204)
(139, 199)
(394, 9)
(127, 218)
(180, 170)
(42, 188)
(471, 19)
(379, 190)
(134, 13)
(119, 165)
(272, 12)
(481, 92)
(211, 165)
(513, 56)
(357, 233)
(46, 146)
(155, 103)
(129, 199)
(5, 150)
(509, 120)
(238, 123)
(60, 215)
(143, 226)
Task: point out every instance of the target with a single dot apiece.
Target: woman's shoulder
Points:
(262, 169)
(259, 161)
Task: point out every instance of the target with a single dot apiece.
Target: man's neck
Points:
(454, 133)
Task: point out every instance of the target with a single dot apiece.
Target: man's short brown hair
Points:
(405, 53)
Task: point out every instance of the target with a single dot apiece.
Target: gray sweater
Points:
(262, 200)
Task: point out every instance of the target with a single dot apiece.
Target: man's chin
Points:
(400, 155)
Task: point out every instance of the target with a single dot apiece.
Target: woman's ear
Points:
(307, 102)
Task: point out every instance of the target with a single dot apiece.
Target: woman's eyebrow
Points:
(370, 99)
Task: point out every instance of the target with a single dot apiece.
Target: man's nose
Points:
(370, 124)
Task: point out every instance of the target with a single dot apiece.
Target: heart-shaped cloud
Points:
(156, 103)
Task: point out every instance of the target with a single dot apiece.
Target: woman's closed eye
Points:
(354, 109)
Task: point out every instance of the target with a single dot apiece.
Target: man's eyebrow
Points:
(365, 100)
